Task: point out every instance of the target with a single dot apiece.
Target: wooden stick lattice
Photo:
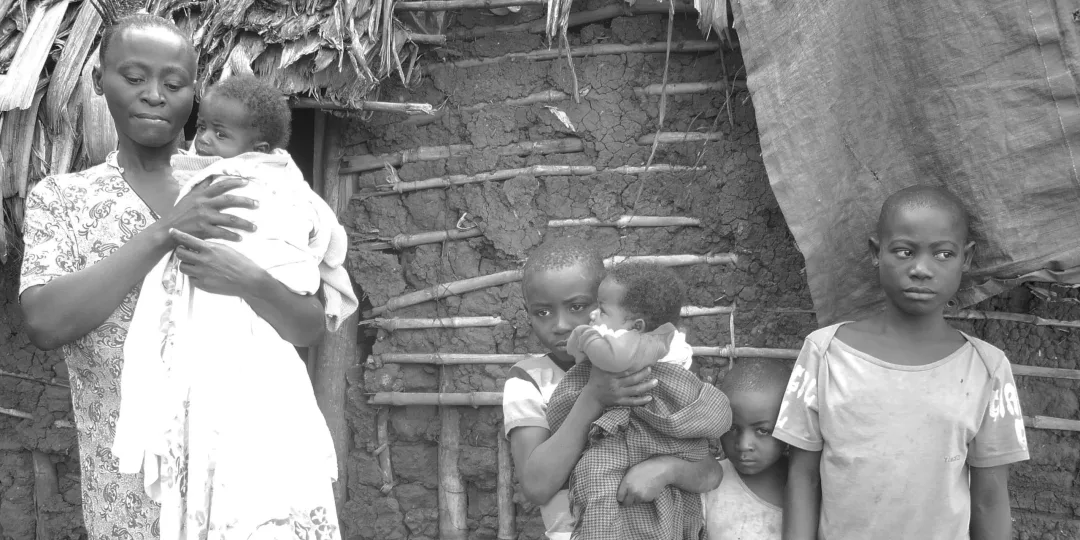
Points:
(671, 137)
(453, 508)
(410, 109)
(641, 7)
(27, 416)
(53, 382)
(454, 288)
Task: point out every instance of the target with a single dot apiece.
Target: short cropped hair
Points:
(136, 21)
(562, 253)
(267, 107)
(924, 196)
(757, 375)
(652, 292)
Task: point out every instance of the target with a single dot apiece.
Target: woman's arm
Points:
(991, 517)
(70, 306)
(644, 481)
(802, 496)
(544, 460)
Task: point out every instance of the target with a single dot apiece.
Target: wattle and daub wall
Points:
(730, 197)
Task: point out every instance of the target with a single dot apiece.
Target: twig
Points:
(392, 325)
(495, 176)
(32, 379)
(378, 106)
(352, 164)
(628, 221)
(382, 433)
(28, 416)
(663, 103)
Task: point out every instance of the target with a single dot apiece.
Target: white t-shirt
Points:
(896, 441)
(733, 512)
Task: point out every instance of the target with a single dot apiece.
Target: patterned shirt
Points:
(74, 221)
(897, 441)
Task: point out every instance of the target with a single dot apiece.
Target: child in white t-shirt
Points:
(902, 427)
(748, 504)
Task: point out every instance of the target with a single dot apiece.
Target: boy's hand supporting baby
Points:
(620, 389)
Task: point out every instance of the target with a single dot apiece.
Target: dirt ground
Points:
(730, 196)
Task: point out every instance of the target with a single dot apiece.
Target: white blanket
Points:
(216, 408)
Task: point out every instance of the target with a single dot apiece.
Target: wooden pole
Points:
(1046, 422)
(690, 47)
(494, 176)
(450, 5)
(46, 486)
(51, 382)
(363, 163)
(971, 314)
(338, 350)
(318, 185)
(1049, 373)
(505, 490)
(453, 509)
(671, 137)
(690, 88)
(455, 288)
(392, 325)
(374, 106)
(641, 7)
(445, 399)
(628, 221)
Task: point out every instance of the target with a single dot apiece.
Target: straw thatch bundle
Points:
(51, 121)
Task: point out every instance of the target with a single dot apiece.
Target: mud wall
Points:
(731, 197)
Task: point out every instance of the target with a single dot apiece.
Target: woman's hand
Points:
(620, 389)
(214, 267)
(199, 213)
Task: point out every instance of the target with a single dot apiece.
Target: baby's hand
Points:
(621, 389)
(643, 483)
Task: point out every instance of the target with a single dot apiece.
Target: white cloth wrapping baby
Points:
(216, 408)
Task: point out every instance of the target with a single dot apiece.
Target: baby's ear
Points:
(639, 325)
(262, 146)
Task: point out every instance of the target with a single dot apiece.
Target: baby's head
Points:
(921, 248)
(755, 387)
(242, 114)
(639, 296)
(559, 285)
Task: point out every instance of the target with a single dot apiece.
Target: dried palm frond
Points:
(98, 129)
(18, 85)
(65, 134)
(17, 140)
(65, 76)
(712, 15)
(248, 47)
(295, 50)
(5, 8)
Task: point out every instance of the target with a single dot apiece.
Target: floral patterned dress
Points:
(72, 222)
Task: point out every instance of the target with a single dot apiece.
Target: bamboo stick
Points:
(46, 486)
(383, 452)
(4, 373)
(455, 288)
(464, 399)
(338, 350)
(449, 359)
(970, 314)
(27, 416)
(642, 7)
(727, 351)
(587, 50)
(690, 88)
(453, 505)
(392, 325)
(450, 5)
(495, 176)
(505, 490)
(1050, 373)
(1046, 422)
(363, 163)
(425, 39)
(628, 221)
(546, 96)
(671, 137)
(403, 241)
(656, 168)
(377, 106)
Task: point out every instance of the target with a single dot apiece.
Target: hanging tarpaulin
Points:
(856, 99)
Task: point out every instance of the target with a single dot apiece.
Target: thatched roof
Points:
(335, 51)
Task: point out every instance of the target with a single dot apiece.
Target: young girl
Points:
(901, 426)
(747, 505)
(634, 328)
(217, 410)
(560, 287)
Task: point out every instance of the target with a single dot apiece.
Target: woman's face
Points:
(148, 80)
